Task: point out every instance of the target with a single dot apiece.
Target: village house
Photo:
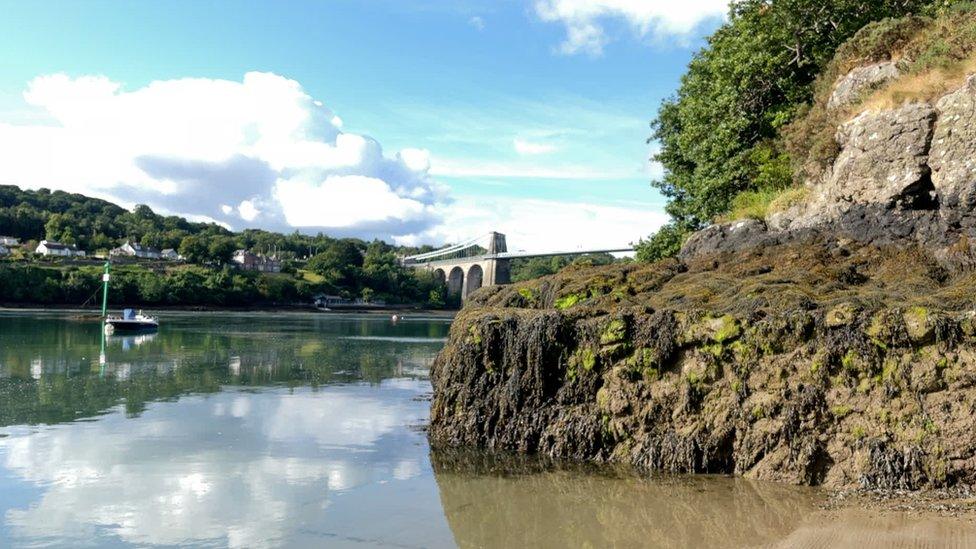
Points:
(9, 241)
(171, 254)
(255, 262)
(49, 248)
(134, 249)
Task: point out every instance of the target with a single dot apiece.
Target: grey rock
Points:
(883, 160)
(725, 237)
(953, 154)
(851, 87)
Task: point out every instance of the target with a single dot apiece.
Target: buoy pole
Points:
(105, 278)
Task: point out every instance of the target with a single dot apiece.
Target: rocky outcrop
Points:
(852, 86)
(953, 154)
(816, 362)
(905, 175)
(833, 343)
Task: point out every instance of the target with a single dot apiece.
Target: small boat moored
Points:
(131, 321)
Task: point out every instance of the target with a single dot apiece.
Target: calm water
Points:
(259, 430)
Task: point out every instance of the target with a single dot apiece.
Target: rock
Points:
(841, 315)
(726, 236)
(953, 154)
(850, 87)
(794, 372)
(883, 159)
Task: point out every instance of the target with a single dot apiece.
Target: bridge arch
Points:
(440, 276)
(455, 281)
(474, 279)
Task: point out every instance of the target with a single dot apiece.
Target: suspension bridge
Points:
(480, 261)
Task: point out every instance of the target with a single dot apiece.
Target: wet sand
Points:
(570, 509)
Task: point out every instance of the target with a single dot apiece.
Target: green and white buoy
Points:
(105, 279)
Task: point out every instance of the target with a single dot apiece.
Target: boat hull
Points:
(130, 326)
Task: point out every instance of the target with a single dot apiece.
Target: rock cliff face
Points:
(833, 343)
(905, 175)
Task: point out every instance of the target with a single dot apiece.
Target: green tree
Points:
(719, 135)
(340, 264)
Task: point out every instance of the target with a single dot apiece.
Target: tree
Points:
(220, 249)
(719, 134)
(340, 264)
(194, 249)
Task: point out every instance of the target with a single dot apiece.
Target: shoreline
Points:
(14, 307)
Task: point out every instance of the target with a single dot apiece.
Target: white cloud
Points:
(524, 147)
(477, 22)
(546, 225)
(199, 146)
(584, 19)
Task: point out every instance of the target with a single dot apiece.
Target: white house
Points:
(132, 249)
(171, 254)
(58, 249)
(9, 241)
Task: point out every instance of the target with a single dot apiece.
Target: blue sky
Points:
(522, 116)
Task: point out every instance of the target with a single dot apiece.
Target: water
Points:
(260, 430)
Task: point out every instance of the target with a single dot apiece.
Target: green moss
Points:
(758, 412)
(840, 412)
(728, 329)
(849, 361)
(588, 359)
(568, 301)
(475, 334)
(918, 323)
(584, 358)
(858, 432)
(890, 371)
(530, 296)
(615, 332)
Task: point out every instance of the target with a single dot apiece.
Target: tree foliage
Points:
(719, 134)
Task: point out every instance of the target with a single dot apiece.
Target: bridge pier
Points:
(464, 276)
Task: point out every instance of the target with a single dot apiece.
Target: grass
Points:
(925, 86)
(309, 276)
(761, 203)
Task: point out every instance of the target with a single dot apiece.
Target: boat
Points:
(131, 321)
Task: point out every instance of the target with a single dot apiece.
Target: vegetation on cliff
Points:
(750, 117)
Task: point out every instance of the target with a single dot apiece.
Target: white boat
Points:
(131, 321)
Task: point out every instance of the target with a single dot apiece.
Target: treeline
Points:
(535, 267)
(725, 131)
(28, 283)
(97, 225)
(311, 264)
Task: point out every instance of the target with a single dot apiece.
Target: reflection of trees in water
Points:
(513, 502)
(49, 370)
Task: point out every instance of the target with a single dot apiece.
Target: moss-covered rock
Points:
(773, 364)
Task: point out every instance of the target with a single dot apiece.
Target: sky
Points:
(413, 121)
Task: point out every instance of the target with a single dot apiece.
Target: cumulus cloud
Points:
(256, 152)
(584, 19)
(524, 147)
(477, 22)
